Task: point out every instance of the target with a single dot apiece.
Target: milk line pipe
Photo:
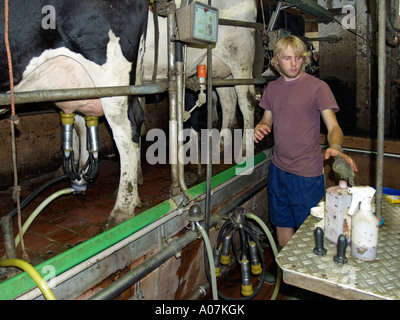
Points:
(100, 92)
(200, 291)
(81, 93)
(391, 155)
(134, 275)
(239, 23)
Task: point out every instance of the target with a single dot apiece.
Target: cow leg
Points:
(228, 101)
(246, 100)
(126, 131)
(215, 116)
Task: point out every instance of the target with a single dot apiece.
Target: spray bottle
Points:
(365, 226)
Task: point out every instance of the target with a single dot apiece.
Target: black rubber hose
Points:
(260, 250)
(34, 194)
(69, 167)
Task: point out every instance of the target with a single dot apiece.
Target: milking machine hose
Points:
(274, 250)
(39, 209)
(254, 238)
(29, 198)
(210, 260)
(31, 271)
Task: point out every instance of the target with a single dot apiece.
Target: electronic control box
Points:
(197, 23)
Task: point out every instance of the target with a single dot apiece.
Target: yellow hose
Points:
(31, 271)
(39, 209)
(274, 250)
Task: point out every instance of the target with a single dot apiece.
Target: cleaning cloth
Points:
(343, 169)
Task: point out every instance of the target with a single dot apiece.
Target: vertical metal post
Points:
(381, 104)
(8, 236)
(180, 108)
(9, 242)
(209, 127)
(173, 129)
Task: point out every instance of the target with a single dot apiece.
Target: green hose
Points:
(210, 261)
(31, 271)
(274, 250)
(39, 209)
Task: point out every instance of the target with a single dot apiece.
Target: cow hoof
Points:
(113, 221)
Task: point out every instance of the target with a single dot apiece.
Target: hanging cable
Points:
(13, 121)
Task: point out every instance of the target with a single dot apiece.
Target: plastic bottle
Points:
(337, 220)
(365, 226)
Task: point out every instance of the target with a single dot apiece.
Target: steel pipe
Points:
(8, 235)
(172, 94)
(81, 93)
(133, 276)
(209, 138)
(381, 104)
(233, 82)
(100, 92)
(180, 109)
(239, 23)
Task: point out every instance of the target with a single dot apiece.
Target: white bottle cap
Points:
(342, 184)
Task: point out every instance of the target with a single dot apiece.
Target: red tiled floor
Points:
(72, 219)
(69, 219)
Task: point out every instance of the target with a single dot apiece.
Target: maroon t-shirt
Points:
(296, 106)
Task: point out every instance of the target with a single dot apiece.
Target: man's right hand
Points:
(260, 131)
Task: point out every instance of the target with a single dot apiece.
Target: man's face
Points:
(290, 64)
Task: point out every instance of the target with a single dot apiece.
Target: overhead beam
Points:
(312, 8)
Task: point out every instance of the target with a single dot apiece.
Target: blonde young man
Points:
(293, 105)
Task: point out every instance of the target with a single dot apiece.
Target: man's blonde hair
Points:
(298, 46)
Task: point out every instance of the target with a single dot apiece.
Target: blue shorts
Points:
(291, 197)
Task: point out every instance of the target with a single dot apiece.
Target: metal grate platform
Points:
(379, 279)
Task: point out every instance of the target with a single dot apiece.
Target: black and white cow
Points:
(60, 44)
